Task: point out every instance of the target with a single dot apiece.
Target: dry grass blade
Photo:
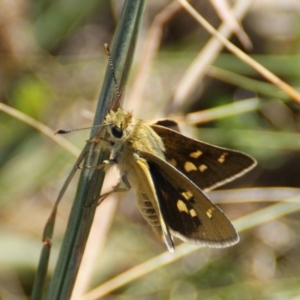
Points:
(40, 127)
(239, 53)
(197, 70)
(223, 9)
(220, 112)
(150, 48)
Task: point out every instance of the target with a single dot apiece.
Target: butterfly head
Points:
(118, 126)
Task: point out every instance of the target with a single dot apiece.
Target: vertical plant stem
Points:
(91, 180)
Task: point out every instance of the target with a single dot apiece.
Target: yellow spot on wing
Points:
(209, 212)
(187, 195)
(222, 158)
(193, 213)
(189, 166)
(196, 154)
(181, 206)
(202, 168)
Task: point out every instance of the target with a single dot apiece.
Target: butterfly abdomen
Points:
(147, 209)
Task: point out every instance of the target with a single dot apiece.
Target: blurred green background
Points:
(51, 66)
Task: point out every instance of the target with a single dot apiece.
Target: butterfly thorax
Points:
(126, 136)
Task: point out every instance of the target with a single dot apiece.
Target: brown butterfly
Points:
(168, 172)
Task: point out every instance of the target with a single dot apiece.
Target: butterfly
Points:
(168, 172)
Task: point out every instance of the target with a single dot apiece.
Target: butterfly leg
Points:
(104, 164)
(117, 188)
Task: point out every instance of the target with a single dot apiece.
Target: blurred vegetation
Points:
(52, 64)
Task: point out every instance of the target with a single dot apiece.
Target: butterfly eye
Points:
(117, 132)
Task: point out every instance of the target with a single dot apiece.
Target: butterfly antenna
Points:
(119, 94)
(117, 103)
(62, 131)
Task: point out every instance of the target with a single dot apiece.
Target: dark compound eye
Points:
(117, 132)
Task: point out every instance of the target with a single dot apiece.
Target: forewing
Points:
(167, 123)
(187, 212)
(208, 166)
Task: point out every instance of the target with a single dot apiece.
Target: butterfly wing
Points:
(148, 202)
(208, 166)
(186, 211)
